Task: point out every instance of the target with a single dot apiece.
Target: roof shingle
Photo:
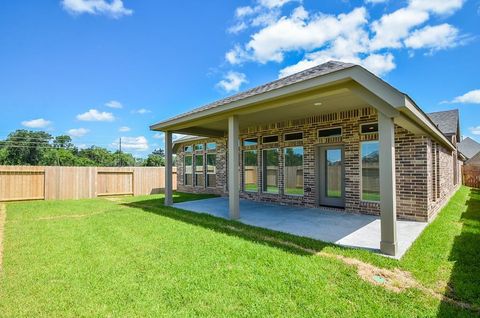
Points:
(446, 121)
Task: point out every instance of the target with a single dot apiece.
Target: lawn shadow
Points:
(464, 283)
(287, 242)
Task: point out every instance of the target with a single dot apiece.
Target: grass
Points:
(135, 257)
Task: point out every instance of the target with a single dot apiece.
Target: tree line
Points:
(39, 148)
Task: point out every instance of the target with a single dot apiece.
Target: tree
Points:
(63, 141)
(122, 159)
(25, 147)
(98, 156)
(60, 157)
(156, 159)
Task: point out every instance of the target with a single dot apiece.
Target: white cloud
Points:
(375, 1)
(475, 130)
(124, 129)
(141, 111)
(114, 104)
(159, 135)
(132, 143)
(36, 123)
(472, 97)
(350, 37)
(114, 8)
(273, 3)
(232, 81)
(437, 37)
(78, 132)
(95, 115)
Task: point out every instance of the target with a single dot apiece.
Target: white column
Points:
(168, 169)
(233, 164)
(388, 196)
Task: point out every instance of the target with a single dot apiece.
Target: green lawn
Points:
(135, 257)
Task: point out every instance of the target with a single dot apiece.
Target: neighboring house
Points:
(474, 161)
(470, 148)
(334, 135)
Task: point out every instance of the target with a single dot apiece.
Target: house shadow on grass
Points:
(287, 242)
(464, 283)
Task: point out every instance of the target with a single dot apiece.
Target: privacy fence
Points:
(18, 183)
(471, 176)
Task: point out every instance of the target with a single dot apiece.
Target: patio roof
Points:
(329, 87)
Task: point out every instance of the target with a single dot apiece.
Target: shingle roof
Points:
(446, 121)
(319, 70)
(469, 147)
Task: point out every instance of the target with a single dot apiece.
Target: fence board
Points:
(50, 183)
(471, 176)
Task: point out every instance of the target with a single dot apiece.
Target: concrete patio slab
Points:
(346, 229)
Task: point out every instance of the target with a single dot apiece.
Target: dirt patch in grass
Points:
(3, 216)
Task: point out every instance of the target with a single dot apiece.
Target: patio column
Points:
(233, 164)
(168, 169)
(388, 195)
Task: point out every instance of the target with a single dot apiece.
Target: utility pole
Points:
(120, 151)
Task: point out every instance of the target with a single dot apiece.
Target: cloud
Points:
(114, 8)
(124, 129)
(475, 130)
(78, 132)
(350, 37)
(375, 1)
(141, 111)
(95, 115)
(232, 81)
(273, 3)
(36, 123)
(471, 97)
(159, 135)
(132, 143)
(114, 104)
(439, 37)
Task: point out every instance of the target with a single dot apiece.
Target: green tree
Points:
(59, 157)
(123, 159)
(98, 156)
(25, 147)
(63, 141)
(156, 159)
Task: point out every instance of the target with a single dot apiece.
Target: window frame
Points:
(250, 138)
(284, 169)
(278, 149)
(361, 170)
(243, 171)
(195, 170)
(209, 173)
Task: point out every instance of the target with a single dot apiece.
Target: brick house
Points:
(334, 136)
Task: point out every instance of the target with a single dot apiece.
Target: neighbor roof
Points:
(319, 70)
(469, 147)
(446, 121)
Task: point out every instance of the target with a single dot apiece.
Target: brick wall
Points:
(413, 164)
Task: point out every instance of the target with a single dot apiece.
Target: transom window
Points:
(188, 149)
(294, 136)
(269, 139)
(330, 132)
(369, 128)
(250, 142)
(211, 146)
(198, 147)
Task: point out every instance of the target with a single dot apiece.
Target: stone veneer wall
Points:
(413, 166)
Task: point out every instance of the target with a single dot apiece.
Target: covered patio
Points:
(342, 228)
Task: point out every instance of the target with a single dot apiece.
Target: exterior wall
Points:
(413, 164)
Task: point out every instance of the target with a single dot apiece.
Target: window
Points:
(294, 136)
(250, 171)
(188, 170)
(211, 146)
(269, 139)
(369, 128)
(199, 170)
(370, 171)
(293, 173)
(331, 132)
(188, 148)
(198, 147)
(270, 170)
(211, 170)
(250, 142)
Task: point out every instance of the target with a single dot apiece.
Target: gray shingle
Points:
(319, 70)
(469, 147)
(446, 121)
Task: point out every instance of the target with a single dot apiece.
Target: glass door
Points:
(331, 176)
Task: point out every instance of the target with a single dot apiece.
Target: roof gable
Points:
(446, 121)
(469, 147)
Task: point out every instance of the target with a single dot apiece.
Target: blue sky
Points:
(100, 70)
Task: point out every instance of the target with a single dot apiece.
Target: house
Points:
(334, 135)
(470, 148)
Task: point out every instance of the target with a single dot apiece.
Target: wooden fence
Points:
(471, 176)
(18, 183)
